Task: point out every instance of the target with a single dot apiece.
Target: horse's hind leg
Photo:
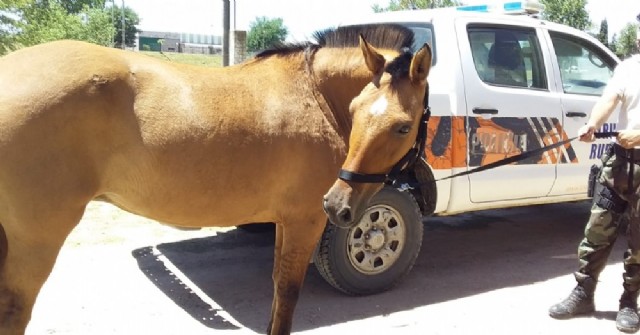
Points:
(29, 244)
(295, 243)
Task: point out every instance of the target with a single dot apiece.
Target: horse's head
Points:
(385, 122)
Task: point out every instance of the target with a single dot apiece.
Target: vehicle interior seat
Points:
(505, 58)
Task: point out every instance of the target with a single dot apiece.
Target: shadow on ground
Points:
(461, 256)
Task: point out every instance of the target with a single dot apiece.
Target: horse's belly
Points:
(192, 209)
(226, 190)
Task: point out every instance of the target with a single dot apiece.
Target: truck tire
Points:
(379, 251)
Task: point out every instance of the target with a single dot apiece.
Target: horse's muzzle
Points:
(344, 204)
(336, 203)
(341, 216)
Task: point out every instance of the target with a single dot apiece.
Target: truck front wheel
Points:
(379, 251)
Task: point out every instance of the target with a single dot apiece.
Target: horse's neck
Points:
(340, 75)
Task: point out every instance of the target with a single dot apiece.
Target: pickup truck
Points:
(500, 85)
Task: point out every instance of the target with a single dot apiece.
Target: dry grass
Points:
(193, 59)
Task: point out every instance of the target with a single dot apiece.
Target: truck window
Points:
(423, 33)
(507, 56)
(584, 67)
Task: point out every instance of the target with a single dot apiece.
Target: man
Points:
(616, 195)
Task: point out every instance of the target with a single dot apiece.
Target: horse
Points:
(193, 147)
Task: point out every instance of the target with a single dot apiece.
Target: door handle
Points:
(491, 111)
(576, 114)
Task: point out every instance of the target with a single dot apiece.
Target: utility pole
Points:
(124, 45)
(225, 31)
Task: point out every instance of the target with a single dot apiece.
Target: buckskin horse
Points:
(192, 147)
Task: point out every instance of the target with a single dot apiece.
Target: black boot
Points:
(627, 319)
(580, 301)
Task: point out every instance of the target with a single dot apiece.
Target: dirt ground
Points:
(492, 272)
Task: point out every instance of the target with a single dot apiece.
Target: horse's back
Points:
(56, 67)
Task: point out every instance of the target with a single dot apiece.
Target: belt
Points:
(628, 154)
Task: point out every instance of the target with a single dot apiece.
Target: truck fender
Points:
(425, 192)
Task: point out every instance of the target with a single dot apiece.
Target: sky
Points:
(303, 17)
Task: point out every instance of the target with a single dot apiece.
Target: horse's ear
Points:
(374, 60)
(420, 65)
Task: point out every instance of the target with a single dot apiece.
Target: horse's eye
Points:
(404, 129)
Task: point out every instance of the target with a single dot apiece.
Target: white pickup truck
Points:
(500, 85)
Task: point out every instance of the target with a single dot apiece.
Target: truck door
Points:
(583, 69)
(510, 109)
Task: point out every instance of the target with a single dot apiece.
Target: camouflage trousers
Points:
(605, 225)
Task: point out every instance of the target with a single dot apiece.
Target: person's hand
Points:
(629, 138)
(586, 133)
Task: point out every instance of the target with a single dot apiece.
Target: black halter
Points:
(407, 160)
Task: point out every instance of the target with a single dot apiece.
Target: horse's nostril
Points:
(345, 215)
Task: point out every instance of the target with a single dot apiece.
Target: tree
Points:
(98, 27)
(613, 45)
(45, 21)
(265, 33)
(10, 11)
(627, 41)
(568, 12)
(28, 22)
(603, 34)
(76, 6)
(415, 4)
(131, 20)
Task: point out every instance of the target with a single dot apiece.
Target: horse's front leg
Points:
(295, 243)
(30, 240)
(276, 267)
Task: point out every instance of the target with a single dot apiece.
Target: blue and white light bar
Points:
(474, 8)
(531, 7)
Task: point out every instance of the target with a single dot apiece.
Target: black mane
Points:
(399, 66)
(285, 49)
(384, 36)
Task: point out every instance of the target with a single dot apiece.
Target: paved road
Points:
(491, 272)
